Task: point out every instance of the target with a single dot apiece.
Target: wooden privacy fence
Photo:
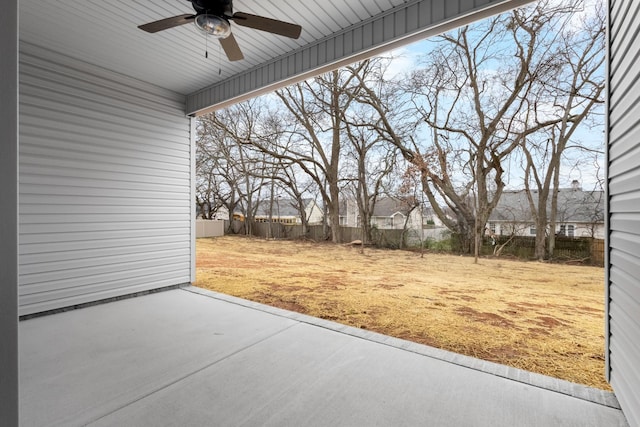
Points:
(388, 238)
(585, 250)
(597, 252)
(582, 249)
(274, 230)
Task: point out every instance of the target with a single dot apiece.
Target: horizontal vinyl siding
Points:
(105, 184)
(624, 207)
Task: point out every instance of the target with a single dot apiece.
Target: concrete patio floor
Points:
(190, 357)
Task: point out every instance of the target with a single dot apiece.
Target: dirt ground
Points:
(545, 318)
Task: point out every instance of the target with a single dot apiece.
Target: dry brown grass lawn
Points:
(545, 318)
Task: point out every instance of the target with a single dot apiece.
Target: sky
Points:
(590, 173)
(589, 169)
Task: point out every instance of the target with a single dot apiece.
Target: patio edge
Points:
(578, 391)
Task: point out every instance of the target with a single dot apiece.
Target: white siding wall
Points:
(105, 184)
(623, 270)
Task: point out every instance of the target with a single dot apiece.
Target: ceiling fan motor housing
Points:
(213, 16)
(213, 7)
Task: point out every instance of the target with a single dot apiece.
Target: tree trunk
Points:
(554, 213)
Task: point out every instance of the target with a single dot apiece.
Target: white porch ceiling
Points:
(105, 33)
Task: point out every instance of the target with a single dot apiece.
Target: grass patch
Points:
(545, 318)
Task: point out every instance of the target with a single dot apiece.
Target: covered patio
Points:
(97, 233)
(191, 357)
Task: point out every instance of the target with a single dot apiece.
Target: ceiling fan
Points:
(213, 16)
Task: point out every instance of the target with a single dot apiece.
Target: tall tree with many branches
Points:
(468, 100)
(370, 161)
(305, 129)
(225, 140)
(566, 100)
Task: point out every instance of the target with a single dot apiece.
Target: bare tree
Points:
(267, 154)
(312, 134)
(239, 164)
(484, 77)
(289, 183)
(470, 100)
(318, 110)
(564, 101)
(370, 161)
(301, 191)
(278, 140)
(217, 178)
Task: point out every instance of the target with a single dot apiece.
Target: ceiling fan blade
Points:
(165, 24)
(267, 24)
(231, 48)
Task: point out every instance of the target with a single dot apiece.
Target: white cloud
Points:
(404, 60)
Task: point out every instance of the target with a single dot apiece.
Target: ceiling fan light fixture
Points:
(213, 25)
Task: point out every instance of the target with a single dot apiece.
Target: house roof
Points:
(389, 206)
(384, 207)
(105, 33)
(281, 207)
(574, 205)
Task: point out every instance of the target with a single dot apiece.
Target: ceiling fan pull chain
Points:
(206, 46)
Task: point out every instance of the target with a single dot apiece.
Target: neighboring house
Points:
(388, 213)
(430, 219)
(285, 211)
(580, 213)
(221, 213)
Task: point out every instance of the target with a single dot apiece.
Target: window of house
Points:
(532, 229)
(492, 227)
(570, 230)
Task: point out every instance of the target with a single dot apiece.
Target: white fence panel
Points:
(209, 228)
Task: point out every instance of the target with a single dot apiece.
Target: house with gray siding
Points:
(579, 213)
(96, 204)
